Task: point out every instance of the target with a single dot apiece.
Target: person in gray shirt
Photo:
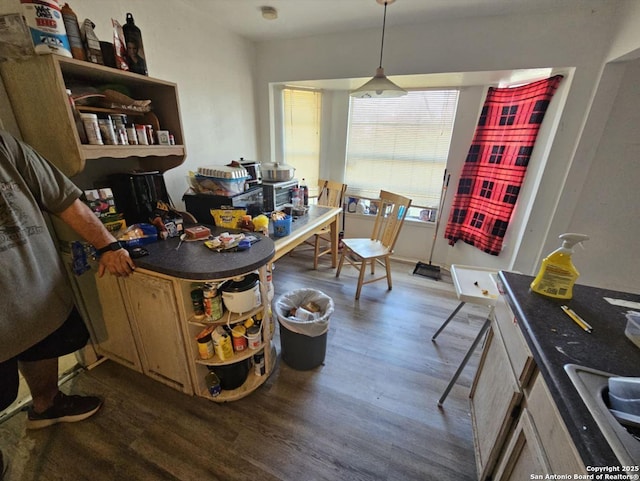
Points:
(38, 319)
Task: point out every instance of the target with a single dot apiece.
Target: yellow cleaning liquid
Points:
(557, 274)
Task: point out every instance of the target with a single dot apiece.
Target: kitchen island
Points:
(528, 417)
(146, 322)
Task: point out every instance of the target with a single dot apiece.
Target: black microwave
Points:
(278, 194)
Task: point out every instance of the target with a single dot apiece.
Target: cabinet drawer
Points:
(520, 357)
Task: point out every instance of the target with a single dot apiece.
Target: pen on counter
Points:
(577, 319)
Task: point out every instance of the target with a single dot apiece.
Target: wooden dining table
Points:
(303, 227)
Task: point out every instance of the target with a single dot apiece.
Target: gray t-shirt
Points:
(35, 295)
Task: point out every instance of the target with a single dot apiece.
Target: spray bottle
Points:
(557, 273)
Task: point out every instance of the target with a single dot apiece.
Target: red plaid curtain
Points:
(496, 164)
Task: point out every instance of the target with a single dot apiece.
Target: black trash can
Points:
(303, 340)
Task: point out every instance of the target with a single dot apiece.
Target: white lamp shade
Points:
(378, 87)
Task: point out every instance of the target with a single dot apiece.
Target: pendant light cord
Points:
(384, 21)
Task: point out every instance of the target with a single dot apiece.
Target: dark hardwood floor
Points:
(369, 413)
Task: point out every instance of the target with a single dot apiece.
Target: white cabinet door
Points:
(151, 303)
(524, 456)
(100, 300)
(495, 397)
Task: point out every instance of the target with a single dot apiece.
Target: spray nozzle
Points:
(570, 239)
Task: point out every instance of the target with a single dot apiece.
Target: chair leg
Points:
(344, 252)
(373, 267)
(316, 250)
(363, 268)
(387, 265)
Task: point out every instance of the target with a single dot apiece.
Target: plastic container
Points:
(632, 331)
(46, 26)
(219, 185)
(303, 343)
(557, 274)
(281, 228)
(92, 128)
(253, 337)
(213, 384)
(222, 344)
(625, 387)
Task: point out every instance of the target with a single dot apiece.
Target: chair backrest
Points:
(330, 193)
(392, 209)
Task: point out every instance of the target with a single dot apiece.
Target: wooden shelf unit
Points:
(37, 91)
(200, 367)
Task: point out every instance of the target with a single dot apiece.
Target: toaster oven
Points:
(277, 194)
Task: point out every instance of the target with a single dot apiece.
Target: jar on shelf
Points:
(197, 302)
(205, 343)
(92, 129)
(212, 302)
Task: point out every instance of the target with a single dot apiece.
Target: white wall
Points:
(607, 204)
(212, 67)
(574, 41)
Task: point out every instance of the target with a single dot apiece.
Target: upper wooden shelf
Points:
(37, 91)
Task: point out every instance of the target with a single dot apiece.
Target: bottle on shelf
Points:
(305, 191)
(135, 49)
(73, 32)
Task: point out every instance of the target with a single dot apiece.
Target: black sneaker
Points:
(65, 409)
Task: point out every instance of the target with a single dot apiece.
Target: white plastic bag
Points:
(305, 322)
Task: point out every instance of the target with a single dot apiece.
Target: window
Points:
(301, 137)
(400, 145)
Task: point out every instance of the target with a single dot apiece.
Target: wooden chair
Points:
(392, 209)
(330, 194)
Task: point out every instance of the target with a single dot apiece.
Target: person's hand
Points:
(117, 263)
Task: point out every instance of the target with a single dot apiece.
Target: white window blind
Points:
(400, 144)
(301, 142)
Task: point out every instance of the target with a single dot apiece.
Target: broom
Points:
(429, 270)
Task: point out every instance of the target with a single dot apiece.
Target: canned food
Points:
(212, 302)
(239, 339)
(205, 343)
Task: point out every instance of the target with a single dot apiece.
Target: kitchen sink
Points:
(593, 387)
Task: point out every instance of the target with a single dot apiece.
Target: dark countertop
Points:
(555, 340)
(194, 260)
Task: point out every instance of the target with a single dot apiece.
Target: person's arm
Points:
(80, 218)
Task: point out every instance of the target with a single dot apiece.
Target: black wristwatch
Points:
(114, 246)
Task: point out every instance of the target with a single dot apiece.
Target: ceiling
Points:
(299, 18)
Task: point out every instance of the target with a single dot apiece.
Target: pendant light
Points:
(380, 86)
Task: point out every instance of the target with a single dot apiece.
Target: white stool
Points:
(477, 286)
